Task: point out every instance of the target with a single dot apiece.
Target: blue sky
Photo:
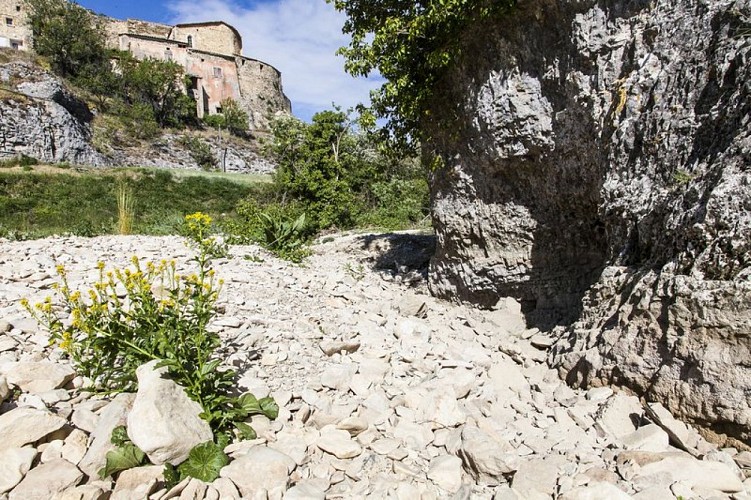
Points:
(299, 37)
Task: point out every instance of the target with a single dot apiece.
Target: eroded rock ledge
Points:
(598, 169)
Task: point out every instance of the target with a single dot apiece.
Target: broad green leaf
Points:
(249, 405)
(204, 462)
(120, 436)
(269, 407)
(246, 431)
(120, 459)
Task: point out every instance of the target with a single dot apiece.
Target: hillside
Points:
(46, 118)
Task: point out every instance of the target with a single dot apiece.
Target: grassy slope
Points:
(47, 200)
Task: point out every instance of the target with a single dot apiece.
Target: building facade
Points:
(210, 53)
(14, 32)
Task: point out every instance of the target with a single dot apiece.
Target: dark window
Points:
(190, 41)
(18, 8)
(9, 21)
(217, 72)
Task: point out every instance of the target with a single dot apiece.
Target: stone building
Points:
(210, 52)
(14, 33)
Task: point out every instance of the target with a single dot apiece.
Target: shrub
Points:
(163, 316)
(199, 151)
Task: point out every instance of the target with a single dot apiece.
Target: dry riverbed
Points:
(384, 391)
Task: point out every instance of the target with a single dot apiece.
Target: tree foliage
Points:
(340, 173)
(159, 85)
(411, 44)
(70, 36)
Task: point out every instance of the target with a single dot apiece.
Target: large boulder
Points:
(596, 168)
(164, 422)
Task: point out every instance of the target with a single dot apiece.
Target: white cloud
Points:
(298, 37)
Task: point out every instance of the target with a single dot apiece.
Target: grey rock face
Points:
(40, 118)
(599, 173)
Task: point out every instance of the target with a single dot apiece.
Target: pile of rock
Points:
(384, 392)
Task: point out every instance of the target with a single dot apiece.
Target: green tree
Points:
(410, 43)
(70, 36)
(159, 85)
(235, 118)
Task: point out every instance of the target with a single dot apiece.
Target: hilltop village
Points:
(210, 52)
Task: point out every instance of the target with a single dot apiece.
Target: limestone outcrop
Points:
(40, 118)
(597, 168)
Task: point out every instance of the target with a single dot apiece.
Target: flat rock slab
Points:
(46, 480)
(24, 425)
(38, 376)
(261, 468)
(14, 464)
(338, 442)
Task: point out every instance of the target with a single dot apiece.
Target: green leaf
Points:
(204, 462)
(246, 431)
(249, 405)
(171, 476)
(120, 436)
(269, 407)
(122, 458)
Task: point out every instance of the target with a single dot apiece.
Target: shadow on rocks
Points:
(400, 254)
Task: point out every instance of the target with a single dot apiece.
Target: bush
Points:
(280, 228)
(163, 316)
(199, 151)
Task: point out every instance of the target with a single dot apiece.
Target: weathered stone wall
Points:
(597, 169)
(210, 37)
(14, 31)
(261, 91)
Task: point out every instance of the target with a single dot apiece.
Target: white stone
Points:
(305, 491)
(38, 376)
(648, 438)
(353, 425)
(138, 482)
(446, 472)
(4, 389)
(680, 433)
(164, 421)
(75, 446)
(291, 443)
(596, 491)
(696, 473)
(618, 416)
(338, 376)
(485, 457)
(83, 492)
(338, 442)
(14, 464)
(538, 475)
(46, 480)
(225, 488)
(506, 378)
(113, 415)
(260, 469)
(23, 425)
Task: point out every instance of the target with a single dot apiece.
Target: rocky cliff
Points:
(598, 169)
(40, 117)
